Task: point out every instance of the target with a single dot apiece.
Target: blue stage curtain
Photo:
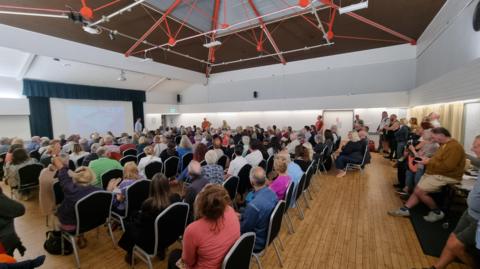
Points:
(39, 92)
(40, 116)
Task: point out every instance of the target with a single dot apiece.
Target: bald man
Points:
(198, 182)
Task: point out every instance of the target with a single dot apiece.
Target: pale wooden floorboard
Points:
(346, 227)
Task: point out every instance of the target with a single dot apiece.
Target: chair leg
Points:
(290, 221)
(305, 200)
(257, 259)
(278, 253)
(281, 243)
(75, 250)
(300, 211)
(150, 266)
(309, 194)
(111, 232)
(288, 224)
(122, 224)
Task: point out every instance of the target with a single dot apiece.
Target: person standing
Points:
(205, 124)
(319, 124)
(138, 126)
(384, 122)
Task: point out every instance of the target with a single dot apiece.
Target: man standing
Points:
(256, 216)
(444, 168)
(358, 123)
(205, 124)
(138, 126)
(319, 124)
(382, 132)
(462, 239)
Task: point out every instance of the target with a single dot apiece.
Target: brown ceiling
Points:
(404, 16)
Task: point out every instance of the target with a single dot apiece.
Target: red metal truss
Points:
(267, 32)
(153, 27)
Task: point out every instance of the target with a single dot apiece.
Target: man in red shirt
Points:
(319, 124)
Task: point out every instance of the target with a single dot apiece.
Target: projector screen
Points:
(84, 117)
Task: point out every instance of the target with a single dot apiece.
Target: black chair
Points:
(80, 161)
(222, 161)
(273, 230)
(129, 152)
(91, 211)
(244, 184)
(358, 166)
(128, 158)
(269, 164)
(177, 139)
(336, 146)
(308, 179)
(134, 197)
(240, 254)
(170, 167)
(28, 178)
(186, 159)
(203, 163)
(110, 174)
(233, 156)
(35, 155)
(152, 168)
(140, 156)
(169, 227)
(263, 164)
(288, 201)
(231, 185)
(299, 193)
(322, 160)
(71, 165)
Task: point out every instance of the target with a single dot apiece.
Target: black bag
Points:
(53, 244)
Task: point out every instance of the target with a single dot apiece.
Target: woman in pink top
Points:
(207, 240)
(280, 184)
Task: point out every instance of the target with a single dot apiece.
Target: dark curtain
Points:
(138, 112)
(40, 116)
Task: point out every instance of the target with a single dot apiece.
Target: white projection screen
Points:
(84, 117)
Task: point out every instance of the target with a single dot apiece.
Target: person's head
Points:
(4, 141)
(357, 116)
(354, 136)
(255, 144)
(413, 121)
(55, 147)
(476, 146)
(36, 139)
(433, 116)
(159, 194)
(13, 147)
(301, 152)
(440, 135)
(319, 138)
(199, 153)
(19, 156)
(319, 117)
(142, 140)
(427, 136)
(77, 148)
(333, 129)
(139, 119)
(101, 152)
(246, 140)
(257, 177)
(194, 169)
(94, 147)
(426, 125)
(171, 147)
(108, 140)
(211, 203)
(363, 134)
(185, 142)
(217, 141)
(204, 119)
(149, 150)
(393, 117)
(238, 150)
(17, 141)
(384, 114)
(210, 157)
(83, 176)
(130, 171)
(64, 158)
(280, 164)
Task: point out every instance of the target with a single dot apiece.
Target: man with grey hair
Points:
(34, 144)
(256, 216)
(103, 164)
(197, 183)
(4, 144)
(92, 156)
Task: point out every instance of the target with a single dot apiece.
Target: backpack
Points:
(53, 244)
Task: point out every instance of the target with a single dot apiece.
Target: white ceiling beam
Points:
(26, 66)
(156, 84)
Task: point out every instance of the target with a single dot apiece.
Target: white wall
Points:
(15, 126)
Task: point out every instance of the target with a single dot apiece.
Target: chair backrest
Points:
(231, 185)
(186, 159)
(308, 175)
(130, 152)
(107, 176)
(244, 179)
(128, 158)
(275, 221)
(29, 176)
(203, 163)
(177, 139)
(71, 165)
(233, 156)
(170, 167)
(263, 164)
(57, 192)
(135, 195)
(239, 255)
(337, 143)
(140, 156)
(93, 210)
(170, 224)
(222, 161)
(34, 154)
(300, 187)
(152, 168)
(289, 194)
(269, 164)
(80, 161)
(364, 155)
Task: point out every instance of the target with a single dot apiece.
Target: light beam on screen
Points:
(86, 119)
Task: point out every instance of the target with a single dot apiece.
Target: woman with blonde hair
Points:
(280, 184)
(119, 186)
(77, 153)
(207, 240)
(185, 146)
(352, 152)
(149, 158)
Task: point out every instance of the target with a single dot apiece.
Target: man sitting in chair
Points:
(352, 152)
(256, 216)
(462, 240)
(444, 168)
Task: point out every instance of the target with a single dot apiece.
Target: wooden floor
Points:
(346, 227)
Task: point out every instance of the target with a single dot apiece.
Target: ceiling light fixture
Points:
(212, 44)
(354, 7)
(122, 76)
(112, 34)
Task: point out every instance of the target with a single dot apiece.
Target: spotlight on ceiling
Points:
(354, 7)
(122, 76)
(91, 30)
(112, 34)
(212, 44)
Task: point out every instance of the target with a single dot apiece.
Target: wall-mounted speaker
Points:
(255, 94)
(476, 18)
(179, 98)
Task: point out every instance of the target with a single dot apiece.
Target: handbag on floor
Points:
(53, 244)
